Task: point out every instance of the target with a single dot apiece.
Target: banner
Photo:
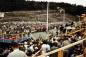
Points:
(1, 14)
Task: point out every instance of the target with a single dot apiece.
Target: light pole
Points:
(62, 10)
(47, 15)
(63, 16)
(79, 19)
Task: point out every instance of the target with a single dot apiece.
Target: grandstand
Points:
(22, 26)
(40, 15)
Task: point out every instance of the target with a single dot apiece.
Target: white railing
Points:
(36, 53)
(60, 50)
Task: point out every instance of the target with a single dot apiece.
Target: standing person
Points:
(45, 46)
(16, 52)
(6, 52)
(84, 46)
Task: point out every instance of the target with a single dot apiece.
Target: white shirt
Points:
(31, 48)
(46, 47)
(17, 53)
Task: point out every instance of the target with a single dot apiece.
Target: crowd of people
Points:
(32, 46)
(9, 30)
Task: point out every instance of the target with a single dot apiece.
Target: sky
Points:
(77, 2)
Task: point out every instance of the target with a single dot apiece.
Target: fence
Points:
(60, 50)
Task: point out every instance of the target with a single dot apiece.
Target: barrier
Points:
(60, 53)
(71, 33)
(60, 50)
(36, 53)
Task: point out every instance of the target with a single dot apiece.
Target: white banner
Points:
(1, 14)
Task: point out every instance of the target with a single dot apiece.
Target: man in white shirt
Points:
(31, 48)
(16, 52)
(48, 47)
(45, 47)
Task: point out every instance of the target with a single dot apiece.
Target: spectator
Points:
(45, 46)
(1, 52)
(16, 52)
(66, 42)
(6, 52)
(84, 45)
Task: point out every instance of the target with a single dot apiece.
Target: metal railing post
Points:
(60, 53)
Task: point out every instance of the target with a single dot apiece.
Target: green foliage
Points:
(15, 5)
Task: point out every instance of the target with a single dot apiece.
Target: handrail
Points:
(36, 53)
(74, 32)
(65, 47)
(77, 31)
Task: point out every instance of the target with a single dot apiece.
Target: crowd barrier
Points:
(60, 50)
